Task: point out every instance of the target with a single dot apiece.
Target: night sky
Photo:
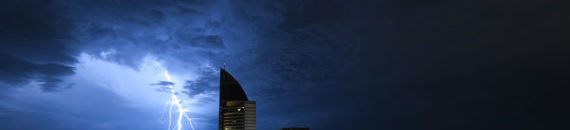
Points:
(322, 64)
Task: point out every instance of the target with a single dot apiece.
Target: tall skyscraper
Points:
(236, 111)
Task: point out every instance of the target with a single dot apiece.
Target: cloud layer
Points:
(35, 44)
(323, 64)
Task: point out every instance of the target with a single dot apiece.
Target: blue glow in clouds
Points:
(133, 89)
(176, 102)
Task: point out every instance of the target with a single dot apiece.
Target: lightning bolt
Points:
(177, 103)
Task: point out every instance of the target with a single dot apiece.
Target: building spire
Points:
(225, 65)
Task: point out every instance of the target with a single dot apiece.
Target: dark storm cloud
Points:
(169, 30)
(163, 83)
(410, 64)
(211, 41)
(34, 44)
(327, 64)
(198, 87)
(164, 86)
(208, 82)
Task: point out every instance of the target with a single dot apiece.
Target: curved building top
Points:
(230, 89)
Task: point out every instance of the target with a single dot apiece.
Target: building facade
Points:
(236, 111)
